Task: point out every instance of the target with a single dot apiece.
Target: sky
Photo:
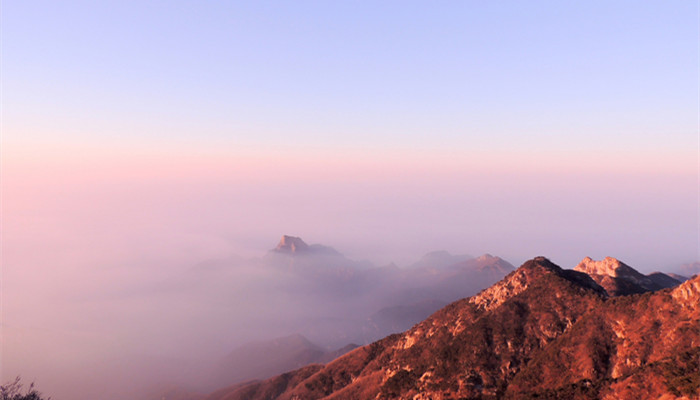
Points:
(141, 138)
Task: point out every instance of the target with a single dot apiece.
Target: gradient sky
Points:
(370, 106)
(140, 138)
(344, 121)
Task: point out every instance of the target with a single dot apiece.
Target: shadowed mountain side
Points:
(541, 332)
(679, 278)
(444, 284)
(264, 359)
(664, 281)
(268, 389)
(399, 318)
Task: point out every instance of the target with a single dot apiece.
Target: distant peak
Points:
(608, 266)
(291, 244)
(487, 256)
(490, 262)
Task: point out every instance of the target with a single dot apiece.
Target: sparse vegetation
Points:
(13, 391)
(402, 381)
(682, 373)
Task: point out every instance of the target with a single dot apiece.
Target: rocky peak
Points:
(608, 266)
(291, 244)
(530, 273)
(515, 283)
(487, 261)
(619, 278)
(487, 257)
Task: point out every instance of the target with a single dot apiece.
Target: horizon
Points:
(670, 268)
(564, 130)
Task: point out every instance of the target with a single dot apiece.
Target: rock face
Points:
(620, 279)
(541, 332)
(291, 244)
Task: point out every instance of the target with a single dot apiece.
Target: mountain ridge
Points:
(514, 339)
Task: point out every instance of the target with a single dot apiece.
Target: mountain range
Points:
(303, 304)
(315, 291)
(600, 331)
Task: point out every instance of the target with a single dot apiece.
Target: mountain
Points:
(679, 278)
(331, 299)
(264, 359)
(315, 262)
(448, 282)
(294, 245)
(470, 276)
(664, 281)
(396, 319)
(619, 278)
(542, 332)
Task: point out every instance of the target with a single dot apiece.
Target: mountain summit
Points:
(291, 244)
(609, 266)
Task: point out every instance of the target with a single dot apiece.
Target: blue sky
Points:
(366, 74)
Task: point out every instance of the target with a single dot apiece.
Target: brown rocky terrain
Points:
(542, 332)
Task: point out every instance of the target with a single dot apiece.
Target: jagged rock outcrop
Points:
(291, 244)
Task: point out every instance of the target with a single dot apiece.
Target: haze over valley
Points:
(230, 320)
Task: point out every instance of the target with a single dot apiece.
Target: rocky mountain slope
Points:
(541, 332)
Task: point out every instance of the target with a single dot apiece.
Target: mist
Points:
(115, 285)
